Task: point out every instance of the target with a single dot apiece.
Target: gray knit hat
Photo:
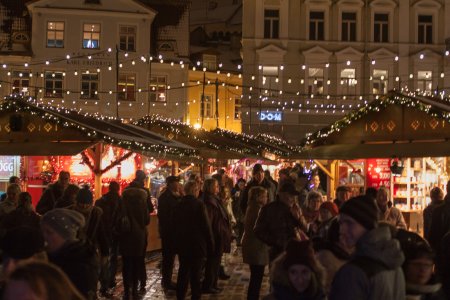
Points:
(65, 222)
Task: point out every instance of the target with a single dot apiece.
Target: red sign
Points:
(378, 172)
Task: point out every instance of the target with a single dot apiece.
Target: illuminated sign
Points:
(272, 116)
(9, 166)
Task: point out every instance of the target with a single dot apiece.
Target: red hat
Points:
(331, 207)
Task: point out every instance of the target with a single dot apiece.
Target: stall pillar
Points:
(175, 166)
(332, 180)
(97, 170)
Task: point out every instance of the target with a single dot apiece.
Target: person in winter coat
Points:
(76, 258)
(221, 231)
(257, 180)
(311, 212)
(392, 214)
(12, 197)
(280, 221)
(328, 212)
(53, 192)
(193, 240)
(23, 215)
(238, 214)
(440, 223)
(68, 197)
(437, 198)
(134, 218)
(421, 282)
(297, 275)
(254, 252)
(374, 270)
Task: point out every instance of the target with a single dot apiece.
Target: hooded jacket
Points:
(374, 272)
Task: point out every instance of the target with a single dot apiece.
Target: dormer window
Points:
(210, 62)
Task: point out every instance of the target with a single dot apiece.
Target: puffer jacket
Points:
(374, 271)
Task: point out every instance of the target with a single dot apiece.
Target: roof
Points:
(394, 125)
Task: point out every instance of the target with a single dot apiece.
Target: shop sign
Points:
(8, 167)
(271, 116)
(378, 172)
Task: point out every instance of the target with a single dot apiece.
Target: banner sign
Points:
(271, 116)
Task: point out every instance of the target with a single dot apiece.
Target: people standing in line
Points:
(193, 240)
(343, 193)
(297, 275)
(68, 197)
(270, 178)
(280, 221)
(255, 253)
(75, 257)
(12, 197)
(374, 271)
(167, 202)
(12, 179)
(257, 180)
(238, 214)
(437, 199)
(225, 202)
(391, 215)
(132, 222)
(220, 227)
(23, 215)
(109, 203)
(311, 212)
(53, 192)
(315, 184)
(328, 212)
(40, 280)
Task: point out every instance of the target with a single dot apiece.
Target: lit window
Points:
(348, 81)
(380, 82)
(315, 81)
(270, 81)
(20, 82)
(91, 36)
(127, 38)
(55, 34)
(237, 108)
(54, 84)
(206, 107)
(158, 89)
(425, 81)
(127, 87)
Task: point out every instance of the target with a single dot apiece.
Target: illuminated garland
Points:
(87, 161)
(376, 106)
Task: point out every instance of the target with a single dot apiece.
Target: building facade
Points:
(308, 62)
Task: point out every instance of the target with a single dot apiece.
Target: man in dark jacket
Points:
(374, 271)
(279, 221)
(12, 179)
(193, 240)
(52, 193)
(257, 180)
(109, 203)
(166, 207)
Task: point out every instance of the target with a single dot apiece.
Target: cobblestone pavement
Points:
(234, 289)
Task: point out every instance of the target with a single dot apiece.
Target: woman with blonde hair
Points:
(40, 280)
(255, 253)
(12, 198)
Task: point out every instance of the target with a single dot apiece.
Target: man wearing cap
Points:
(374, 271)
(166, 206)
(257, 180)
(280, 221)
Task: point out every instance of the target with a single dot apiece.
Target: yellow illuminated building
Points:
(221, 102)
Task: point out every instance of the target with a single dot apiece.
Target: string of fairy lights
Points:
(258, 93)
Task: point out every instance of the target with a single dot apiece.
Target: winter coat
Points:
(192, 230)
(78, 260)
(269, 186)
(282, 289)
(430, 291)
(20, 217)
(427, 217)
(331, 264)
(48, 199)
(254, 251)
(393, 216)
(7, 207)
(220, 225)
(374, 271)
(148, 198)
(166, 207)
(440, 224)
(134, 241)
(109, 203)
(276, 226)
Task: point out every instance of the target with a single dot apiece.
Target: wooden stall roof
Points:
(29, 128)
(395, 125)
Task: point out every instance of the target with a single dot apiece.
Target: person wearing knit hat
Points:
(296, 274)
(327, 216)
(77, 258)
(374, 271)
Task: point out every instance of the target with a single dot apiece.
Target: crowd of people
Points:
(351, 247)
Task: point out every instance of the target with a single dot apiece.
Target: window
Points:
(270, 81)
(425, 29)
(127, 36)
(348, 27)
(55, 34)
(54, 84)
(127, 87)
(158, 89)
(209, 62)
(380, 82)
(316, 26)
(20, 82)
(348, 81)
(425, 81)
(91, 36)
(237, 108)
(89, 85)
(271, 23)
(206, 108)
(315, 81)
(381, 28)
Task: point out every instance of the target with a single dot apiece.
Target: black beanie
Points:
(363, 209)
